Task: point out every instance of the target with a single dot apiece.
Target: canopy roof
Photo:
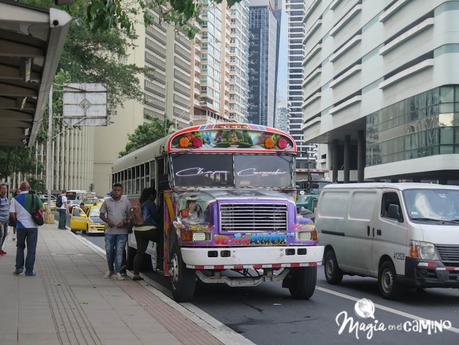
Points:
(31, 42)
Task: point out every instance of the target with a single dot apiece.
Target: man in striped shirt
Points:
(21, 209)
(4, 209)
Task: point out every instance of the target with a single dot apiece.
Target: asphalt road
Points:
(267, 314)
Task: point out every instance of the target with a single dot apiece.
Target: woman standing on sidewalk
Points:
(4, 215)
(146, 219)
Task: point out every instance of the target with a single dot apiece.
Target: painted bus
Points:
(226, 194)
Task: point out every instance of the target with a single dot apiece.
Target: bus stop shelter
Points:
(31, 42)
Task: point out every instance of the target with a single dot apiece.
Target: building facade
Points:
(169, 93)
(381, 88)
(224, 63)
(296, 13)
(238, 61)
(262, 62)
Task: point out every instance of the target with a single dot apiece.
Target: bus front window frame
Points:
(234, 183)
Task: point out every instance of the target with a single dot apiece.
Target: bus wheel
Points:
(183, 280)
(130, 258)
(332, 272)
(301, 282)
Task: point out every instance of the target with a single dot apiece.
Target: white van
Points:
(401, 233)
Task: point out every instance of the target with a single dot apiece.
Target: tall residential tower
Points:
(296, 37)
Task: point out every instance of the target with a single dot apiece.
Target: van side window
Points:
(390, 198)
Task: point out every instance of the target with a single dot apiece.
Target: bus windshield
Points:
(232, 170)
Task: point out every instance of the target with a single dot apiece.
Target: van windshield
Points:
(432, 205)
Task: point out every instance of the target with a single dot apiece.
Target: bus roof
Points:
(231, 137)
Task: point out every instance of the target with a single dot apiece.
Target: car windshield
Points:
(90, 201)
(432, 204)
(94, 212)
(302, 199)
(228, 170)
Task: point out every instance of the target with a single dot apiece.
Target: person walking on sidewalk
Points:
(61, 203)
(4, 215)
(146, 219)
(22, 207)
(115, 213)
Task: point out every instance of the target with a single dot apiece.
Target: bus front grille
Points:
(253, 217)
(448, 252)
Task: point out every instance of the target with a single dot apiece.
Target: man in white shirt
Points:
(22, 207)
(61, 203)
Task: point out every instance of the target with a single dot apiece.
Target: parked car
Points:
(87, 223)
(403, 234)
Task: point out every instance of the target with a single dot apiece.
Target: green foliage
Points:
(37, 185)
(146, 134)
(18, 159)
(96, 47)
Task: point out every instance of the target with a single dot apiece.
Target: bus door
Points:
(163, 185)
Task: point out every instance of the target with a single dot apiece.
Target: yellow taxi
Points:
(87, 221)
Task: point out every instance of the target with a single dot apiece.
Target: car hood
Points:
(438, 234)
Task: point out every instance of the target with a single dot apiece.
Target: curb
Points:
(216, 328)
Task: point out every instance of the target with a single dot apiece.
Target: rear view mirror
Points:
(394, 212)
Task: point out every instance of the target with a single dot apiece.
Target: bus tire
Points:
(130, 258)
(183, 280)
(333, 274)
(302, 282)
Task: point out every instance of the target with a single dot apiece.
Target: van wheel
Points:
(86, 231)
(301, 282)
(333, 273)
(130, 258)
(388, 285)
(183, 280)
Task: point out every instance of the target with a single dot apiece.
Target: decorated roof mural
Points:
(231, 137)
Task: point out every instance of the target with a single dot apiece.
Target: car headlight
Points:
(423, 250)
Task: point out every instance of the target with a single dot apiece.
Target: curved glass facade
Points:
(423, 125)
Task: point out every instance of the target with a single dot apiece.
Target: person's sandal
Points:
(137, 277)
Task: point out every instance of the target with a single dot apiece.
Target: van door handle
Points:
(373, 232)
(378, 232)
(368, 230)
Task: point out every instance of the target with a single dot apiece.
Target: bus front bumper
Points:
(237, 258)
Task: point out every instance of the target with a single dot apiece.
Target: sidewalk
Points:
(69, 302)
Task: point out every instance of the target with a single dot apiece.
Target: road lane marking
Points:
(219, 330)
(381, 307)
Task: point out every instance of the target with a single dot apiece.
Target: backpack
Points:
(59, 201)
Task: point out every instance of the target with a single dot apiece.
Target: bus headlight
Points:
(201, 236)
(423, 250)
(195, 236)
(307, 235)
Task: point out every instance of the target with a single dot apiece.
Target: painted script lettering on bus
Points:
(254, 172)
(197, 171)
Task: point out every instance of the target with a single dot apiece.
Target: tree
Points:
(18, 159)
(183, 14)
(146, 134)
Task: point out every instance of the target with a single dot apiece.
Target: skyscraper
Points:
(296, 34)
(239, 61)
(224, 62)
(262, 62)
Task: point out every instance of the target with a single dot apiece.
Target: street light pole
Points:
(49, 160)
